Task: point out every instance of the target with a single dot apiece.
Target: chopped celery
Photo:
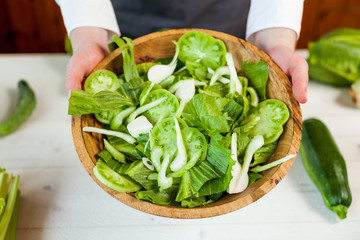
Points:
(9, 194)
(272, 164)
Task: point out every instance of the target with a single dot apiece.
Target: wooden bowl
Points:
(159, 45)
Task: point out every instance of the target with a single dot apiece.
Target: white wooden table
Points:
(60, 201)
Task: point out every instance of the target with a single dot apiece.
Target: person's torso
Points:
(140, 17)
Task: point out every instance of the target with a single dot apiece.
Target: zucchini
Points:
(24, 108)
(325, 166)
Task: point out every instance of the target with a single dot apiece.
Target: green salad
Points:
(184, 130)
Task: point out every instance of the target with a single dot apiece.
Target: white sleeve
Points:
(90, 13)
(274, 13)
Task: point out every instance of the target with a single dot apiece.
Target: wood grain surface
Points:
(322, 16)
(60, 201)
(34, 26)
(159, 45)
(37, 25)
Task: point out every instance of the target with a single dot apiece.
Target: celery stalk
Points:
(11, 231)
(10, 205)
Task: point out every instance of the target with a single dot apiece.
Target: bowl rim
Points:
(210, 210)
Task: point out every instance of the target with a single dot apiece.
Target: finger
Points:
(300, 78)
(75, 73)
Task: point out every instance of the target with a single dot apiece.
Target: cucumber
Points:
(24, 108)
(325, 166)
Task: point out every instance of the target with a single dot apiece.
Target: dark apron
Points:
(139, 17)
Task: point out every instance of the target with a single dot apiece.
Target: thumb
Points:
(295, 67)
(299, 77)
(75, 73)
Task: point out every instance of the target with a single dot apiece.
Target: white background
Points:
(60, 201)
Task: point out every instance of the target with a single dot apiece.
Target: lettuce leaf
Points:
(264, 153)
(140, 173)
(201, 174)
(193, 180)
(217, 185)
(165, 197)
(253, 176)
(336, 54)
(197, 70)
(324, 75)
(206, 113)
(242, 141)
(220, 157)
(216, 90)
(217, 156)
(81, 102)
(258, 74)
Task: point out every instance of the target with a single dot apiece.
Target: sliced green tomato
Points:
(195, 142)
(274, 110)
(113, 180)
(165, 109)
(147, 88)
(196, 147)
(273, 115)
(102, 80)
(201, 47)
(104, 117)
(164, 134)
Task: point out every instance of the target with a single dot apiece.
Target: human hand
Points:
(89, 47)
(279, 43)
